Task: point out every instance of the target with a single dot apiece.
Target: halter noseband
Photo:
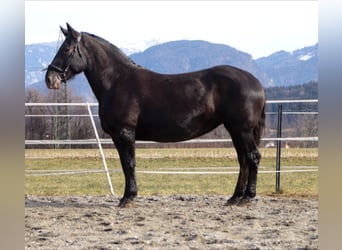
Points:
(62, 71)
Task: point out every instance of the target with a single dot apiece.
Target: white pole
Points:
(100, 148)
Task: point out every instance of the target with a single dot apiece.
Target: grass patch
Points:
(292, 184)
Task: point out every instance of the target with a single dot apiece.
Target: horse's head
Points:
(68, 61)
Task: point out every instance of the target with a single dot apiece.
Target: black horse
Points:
(138, 104)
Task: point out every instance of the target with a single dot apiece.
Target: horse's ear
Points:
(64, 31)
(73, 33)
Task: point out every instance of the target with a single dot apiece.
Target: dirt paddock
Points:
(170, 222)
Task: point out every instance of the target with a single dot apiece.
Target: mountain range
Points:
(281, 68)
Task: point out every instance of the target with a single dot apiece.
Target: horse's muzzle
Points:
(53, 81)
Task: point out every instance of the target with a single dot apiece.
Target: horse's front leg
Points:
(125, 144)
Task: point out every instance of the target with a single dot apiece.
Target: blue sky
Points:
(256, 27)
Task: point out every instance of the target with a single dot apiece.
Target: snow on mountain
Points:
(130, 48)
(305, 57)
(37, 57)
(291, 68)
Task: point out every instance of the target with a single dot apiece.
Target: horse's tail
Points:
(259, 129)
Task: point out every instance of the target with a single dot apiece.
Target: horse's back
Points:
(235, 78)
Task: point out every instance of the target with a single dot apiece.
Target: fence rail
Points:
(85, 104)
(86, 115)
(161, 172)
(109, 141)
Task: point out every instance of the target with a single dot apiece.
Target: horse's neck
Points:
(104, 67)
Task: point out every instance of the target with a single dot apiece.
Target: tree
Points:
(35, 127)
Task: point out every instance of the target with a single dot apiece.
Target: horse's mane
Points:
(113, 48)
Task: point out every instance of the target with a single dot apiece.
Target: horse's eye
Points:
(66, 50)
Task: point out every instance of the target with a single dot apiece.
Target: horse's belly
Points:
(173, 131)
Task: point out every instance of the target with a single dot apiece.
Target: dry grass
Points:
(166, 152)
(199, 159)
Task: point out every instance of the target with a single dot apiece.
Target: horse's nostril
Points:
(49, 82)
(52, 82)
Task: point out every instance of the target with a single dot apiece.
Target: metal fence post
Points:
(280, 113)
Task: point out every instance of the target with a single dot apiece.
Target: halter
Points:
(62, 71)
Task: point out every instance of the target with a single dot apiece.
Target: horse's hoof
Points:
(233, 201)
(246, 201)
(126, 203)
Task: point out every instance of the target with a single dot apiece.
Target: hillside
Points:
(291, 68)
(279, 69)
(184, 56)
(37, 57)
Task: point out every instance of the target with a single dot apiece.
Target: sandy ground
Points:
(170, 222)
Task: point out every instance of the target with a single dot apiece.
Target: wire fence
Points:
(57, 172)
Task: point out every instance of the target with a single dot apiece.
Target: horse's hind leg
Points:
(254, 159)
(249, 157)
